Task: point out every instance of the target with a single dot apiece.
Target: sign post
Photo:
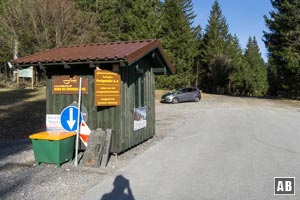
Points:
(78, 122)
(71, 118)
(68, 118)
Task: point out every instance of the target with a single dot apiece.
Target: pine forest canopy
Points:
(283, 43)
(211, 59)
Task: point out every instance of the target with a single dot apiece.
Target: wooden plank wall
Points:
(128, 137)
(118, 118)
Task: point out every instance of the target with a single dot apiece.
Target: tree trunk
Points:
(15, 49)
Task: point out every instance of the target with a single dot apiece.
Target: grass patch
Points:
(22, 112)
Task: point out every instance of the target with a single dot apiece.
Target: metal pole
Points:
(78, 121)
(32, 77)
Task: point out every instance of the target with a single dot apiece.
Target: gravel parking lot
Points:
(25, 180)
(21, 179)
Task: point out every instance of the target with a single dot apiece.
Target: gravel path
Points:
(21, 179)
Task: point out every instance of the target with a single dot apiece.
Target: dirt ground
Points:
(22, 112)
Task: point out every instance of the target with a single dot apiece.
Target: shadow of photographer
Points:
(121, 190)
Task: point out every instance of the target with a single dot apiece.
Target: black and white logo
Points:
(284, 185)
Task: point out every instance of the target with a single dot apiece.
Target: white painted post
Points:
(32, 77)
(78, 121)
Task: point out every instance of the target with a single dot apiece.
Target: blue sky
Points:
(244, 17)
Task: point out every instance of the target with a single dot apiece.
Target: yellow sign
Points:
(107, 88)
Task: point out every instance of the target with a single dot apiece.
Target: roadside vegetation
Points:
(210, 58)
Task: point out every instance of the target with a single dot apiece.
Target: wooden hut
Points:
(131, 112)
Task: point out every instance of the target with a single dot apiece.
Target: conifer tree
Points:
(239, 70)
(258, 72)
(195, 36)
(188, 10)
(180, 42)
(214, 58)
(283, 43)
(89, 5)
(5, 46)
(130, 19)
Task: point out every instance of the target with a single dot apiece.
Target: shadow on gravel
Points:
(18, 96)
(256, 97)
(17, 182)
(295, 102)
(12, 147)
(14, 178)
(18, 122)
(21, 121)
(121, 190)
(10, 166)
(11, 188)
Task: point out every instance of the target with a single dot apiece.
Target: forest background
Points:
(210, 58)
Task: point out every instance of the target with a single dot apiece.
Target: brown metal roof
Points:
(129, 51)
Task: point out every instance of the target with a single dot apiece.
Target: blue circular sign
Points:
(69, 118)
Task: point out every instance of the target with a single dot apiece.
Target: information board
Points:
(68, 85)
(107, 88)
(26, 73)
(140, 118)
(53, 122)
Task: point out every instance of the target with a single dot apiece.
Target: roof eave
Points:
(146, 50)
(52, 63)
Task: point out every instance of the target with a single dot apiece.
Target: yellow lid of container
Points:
(52, 135)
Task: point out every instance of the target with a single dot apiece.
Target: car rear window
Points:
(191, 89)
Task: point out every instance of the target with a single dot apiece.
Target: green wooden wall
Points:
(118, 118)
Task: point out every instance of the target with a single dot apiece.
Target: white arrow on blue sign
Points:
(69, 118)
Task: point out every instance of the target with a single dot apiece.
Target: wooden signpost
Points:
(26, 73)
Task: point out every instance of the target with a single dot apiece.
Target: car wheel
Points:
(175, 100)
(196, 99)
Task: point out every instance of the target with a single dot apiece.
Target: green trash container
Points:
(53, 147)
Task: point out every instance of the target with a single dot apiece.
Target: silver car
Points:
(182, 95)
